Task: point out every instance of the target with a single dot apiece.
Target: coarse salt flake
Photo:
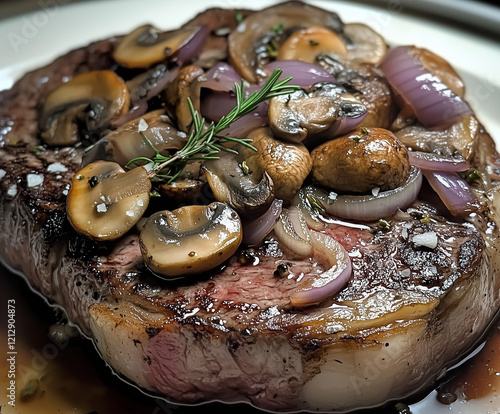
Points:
(375, 191)
(34, 180)
(428, 239)
(130, 213)
(56, 167)
(12, 191)
(142, 126)
(2, 173)
(101, 208)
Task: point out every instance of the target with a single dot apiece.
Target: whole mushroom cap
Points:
(361, 161)
(287, 163)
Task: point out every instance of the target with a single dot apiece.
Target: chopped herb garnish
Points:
(313, 42)
(154, 193)
(384, 224)
(239, 17)
(472, 175)
(355, 138)
(272, 48)
(278, 28)
(37, 149)
(245, 168)
(425, 219)
(205, 142)
(365, 130)
(315, 204)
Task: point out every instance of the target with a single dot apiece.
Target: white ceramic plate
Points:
(35, 39)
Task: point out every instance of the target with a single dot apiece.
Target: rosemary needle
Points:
(205, 142)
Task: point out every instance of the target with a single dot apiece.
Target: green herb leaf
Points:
(472, 175)
(384, 224)
(315, 204)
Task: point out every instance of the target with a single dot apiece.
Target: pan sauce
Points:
(69, 377)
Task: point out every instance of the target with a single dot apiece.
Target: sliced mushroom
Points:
(361, 161)
(306, 44)
(188, 186)
(287, 163)
(185, 85)
(248, 192)
(92, 99)
(328, 108)
(460, 138)
(138, 138)
(365, 45)
(190, 240)
(104, 201)
(253, 42)
(371, 89)
(147, 45)
(182, 190)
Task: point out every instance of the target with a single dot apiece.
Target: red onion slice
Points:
(256, 230)
(372, 207)
(292, 233)
(193, 46)
(303, 74)
(215, 105)
(220, 100)
(221, 77)
(435, 105)
(247, 123)
(435, 162)
(453, 191)
(341, 126)
(328, 283)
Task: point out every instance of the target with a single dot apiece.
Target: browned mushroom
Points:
(188, 187)
(327, 109)
(141, 137)
(248, 192)
(147, 45)
(371, 89)
(460, 138)
(364, 45)
(184, 86)
(287, 163)
(190, 240)
(360, 161)
(105, 202)
(258, 37)
(306, 44)
(93, 99)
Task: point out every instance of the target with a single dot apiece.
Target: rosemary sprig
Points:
(204, 141)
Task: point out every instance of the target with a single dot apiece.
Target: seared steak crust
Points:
(232, 334)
